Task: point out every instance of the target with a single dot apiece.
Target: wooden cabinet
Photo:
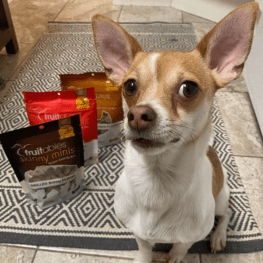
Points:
(7, 32)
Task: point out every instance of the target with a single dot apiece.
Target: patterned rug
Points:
(88, 221)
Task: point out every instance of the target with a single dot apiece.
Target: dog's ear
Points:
(115, 47)
(226, 47)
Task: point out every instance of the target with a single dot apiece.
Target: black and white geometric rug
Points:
(88, 221)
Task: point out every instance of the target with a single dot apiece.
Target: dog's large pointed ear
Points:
(226, 47)
(116, 48)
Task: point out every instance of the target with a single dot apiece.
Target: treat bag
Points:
(47, 160)
(109, 103)
(46, 106)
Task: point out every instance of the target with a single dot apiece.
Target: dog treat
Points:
(46, 106)
(109, 103)
(50, 167)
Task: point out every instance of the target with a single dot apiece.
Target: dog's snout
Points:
(141, 117)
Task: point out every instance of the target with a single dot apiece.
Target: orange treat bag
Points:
(109, 103)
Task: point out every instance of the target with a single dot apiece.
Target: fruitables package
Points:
(48, 160)
(46, 106)
(109, 103)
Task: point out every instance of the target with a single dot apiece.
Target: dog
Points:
(173, 184)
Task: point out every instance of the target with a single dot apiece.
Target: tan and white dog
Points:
(173, 184)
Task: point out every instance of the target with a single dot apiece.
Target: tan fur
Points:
(131, 43)
(209, 37)
(218, 176)
(172, 69)
(156, 207)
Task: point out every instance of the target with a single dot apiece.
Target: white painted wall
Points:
(253, 71)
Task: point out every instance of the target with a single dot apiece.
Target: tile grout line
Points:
(248, 156)
(119, 14)
(61, 11)
(34, 257)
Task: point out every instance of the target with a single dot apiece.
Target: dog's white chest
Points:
(157, 208)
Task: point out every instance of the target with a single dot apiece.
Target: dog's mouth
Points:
(145, 143)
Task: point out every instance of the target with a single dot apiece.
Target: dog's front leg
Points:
(144, 254)
(178, 252)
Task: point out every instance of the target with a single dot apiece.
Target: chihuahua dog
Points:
(173, 183)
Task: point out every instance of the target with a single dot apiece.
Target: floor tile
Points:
(251, 173)
(143, 3)
(31, 17)
(201, 29)
(77, 256)
(192, 258)
(128, 255)
(83, 10)
(10, 63)
(150, 14)
(240, 122)
(189, 18)
(16, 255)
(30, 22)
(55, 257)
(92, 252)
(235, 258)
(237, 85)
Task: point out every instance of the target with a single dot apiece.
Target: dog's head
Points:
(167, 95)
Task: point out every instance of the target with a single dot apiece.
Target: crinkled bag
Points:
(47, 160)
(46, 106)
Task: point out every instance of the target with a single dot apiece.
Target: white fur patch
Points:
(153, 65)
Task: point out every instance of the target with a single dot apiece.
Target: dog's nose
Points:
(141, 117)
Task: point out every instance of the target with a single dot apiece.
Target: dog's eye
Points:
(188, 89)
(130, 87)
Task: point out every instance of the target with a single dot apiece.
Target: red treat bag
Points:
(46, 106)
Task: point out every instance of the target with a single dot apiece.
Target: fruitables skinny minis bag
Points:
(46, 106)
(47, 160)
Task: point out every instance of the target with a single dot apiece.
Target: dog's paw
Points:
(218, 241)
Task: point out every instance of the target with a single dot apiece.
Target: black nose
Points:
(141, 117)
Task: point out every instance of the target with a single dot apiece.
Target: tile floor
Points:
(30, 19)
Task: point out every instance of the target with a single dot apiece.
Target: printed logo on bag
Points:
(110, 86)
(82, 102)
(29, 153)
(66, 131)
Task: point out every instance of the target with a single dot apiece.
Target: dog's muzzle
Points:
(142, 119)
